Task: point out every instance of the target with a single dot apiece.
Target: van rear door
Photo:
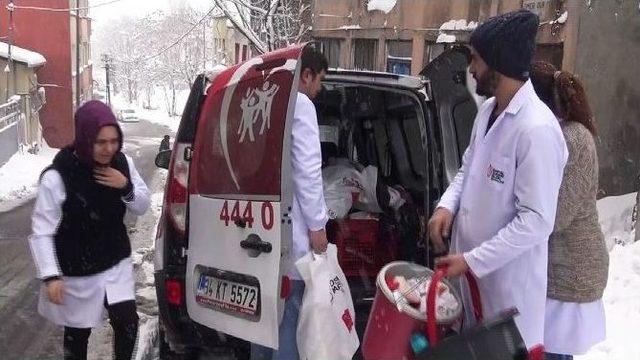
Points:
(455, 105)
(239, 198)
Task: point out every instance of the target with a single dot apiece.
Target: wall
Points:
(48, 33)
(20, 82)
(413, 20)
(8, 143)
(608, 46)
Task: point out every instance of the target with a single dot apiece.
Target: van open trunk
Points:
(375, 174)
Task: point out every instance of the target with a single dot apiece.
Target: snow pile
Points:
(622, 306)
(614, 214)
(445, 38)
(561, 19)
(381, 5)
(20, 175)
(147, 337)
(350, 27)
(622, 295)
(460, 25)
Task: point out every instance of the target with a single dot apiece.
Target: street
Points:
(24, 333)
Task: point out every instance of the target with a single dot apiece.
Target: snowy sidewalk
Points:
(19, 177)
(622, 294)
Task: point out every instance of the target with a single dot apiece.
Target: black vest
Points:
(91, 236)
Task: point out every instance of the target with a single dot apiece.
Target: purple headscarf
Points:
(90, 118)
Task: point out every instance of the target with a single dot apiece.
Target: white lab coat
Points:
(309, 209)
(504, 199)
(84, 296)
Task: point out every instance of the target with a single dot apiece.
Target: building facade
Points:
(230, 45)
(59, 38)
(594, 39)
(21, 100)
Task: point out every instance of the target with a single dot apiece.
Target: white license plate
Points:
(227, 296)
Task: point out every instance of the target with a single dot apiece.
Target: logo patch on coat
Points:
(494, 174)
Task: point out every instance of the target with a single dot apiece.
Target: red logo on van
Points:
(241, 131)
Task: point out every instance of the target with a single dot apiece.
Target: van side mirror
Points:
(163, 158)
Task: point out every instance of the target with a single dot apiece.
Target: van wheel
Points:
(165, 352)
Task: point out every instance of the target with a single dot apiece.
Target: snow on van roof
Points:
(31, 58)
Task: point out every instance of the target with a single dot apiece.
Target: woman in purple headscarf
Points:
(79, 240)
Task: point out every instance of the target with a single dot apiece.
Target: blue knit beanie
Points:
(507, 43)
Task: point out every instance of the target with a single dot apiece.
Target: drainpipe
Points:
(77, 53)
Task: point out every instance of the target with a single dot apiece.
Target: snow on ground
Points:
(158, 114)
(622, 294)
(142, 242)
(19, 177)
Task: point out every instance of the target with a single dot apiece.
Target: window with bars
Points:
(365, 54)
(331, 50)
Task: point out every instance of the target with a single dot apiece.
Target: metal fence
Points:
(10, 113)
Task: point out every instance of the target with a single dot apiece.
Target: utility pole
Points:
(9, 66)
(77, 54)
(106, 59)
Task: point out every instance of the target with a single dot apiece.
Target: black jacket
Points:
(91, 236)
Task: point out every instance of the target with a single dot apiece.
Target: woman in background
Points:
(578, 257)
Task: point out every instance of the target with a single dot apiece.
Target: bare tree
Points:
(268, 24)
(163, 51)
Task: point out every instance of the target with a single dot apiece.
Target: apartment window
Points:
(237, 54)
(244, 52)
(399, 57)
(331, 50)
(364, 54)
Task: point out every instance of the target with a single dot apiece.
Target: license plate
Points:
(227, 296)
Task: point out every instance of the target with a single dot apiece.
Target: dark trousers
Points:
(124, 321)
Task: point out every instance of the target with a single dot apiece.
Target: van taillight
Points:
(177, 189)
(173, 289)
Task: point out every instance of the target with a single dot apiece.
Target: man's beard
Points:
(486, 83)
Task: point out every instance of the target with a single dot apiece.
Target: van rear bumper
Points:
(180, 331)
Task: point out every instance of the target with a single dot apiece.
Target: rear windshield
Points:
(187, 130)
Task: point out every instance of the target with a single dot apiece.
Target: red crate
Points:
(361, 250)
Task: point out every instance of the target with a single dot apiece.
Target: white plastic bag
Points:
(326, 324)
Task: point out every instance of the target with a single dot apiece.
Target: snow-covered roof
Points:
(382, 5)
(459, 25)
(445, 38)
(350, 27)
(31, 58)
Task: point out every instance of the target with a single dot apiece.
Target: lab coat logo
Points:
(494, 174)
(256, 106)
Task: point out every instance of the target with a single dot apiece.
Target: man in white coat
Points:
(309, 213)
(502, 202)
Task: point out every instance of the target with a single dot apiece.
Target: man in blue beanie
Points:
(504, 196)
